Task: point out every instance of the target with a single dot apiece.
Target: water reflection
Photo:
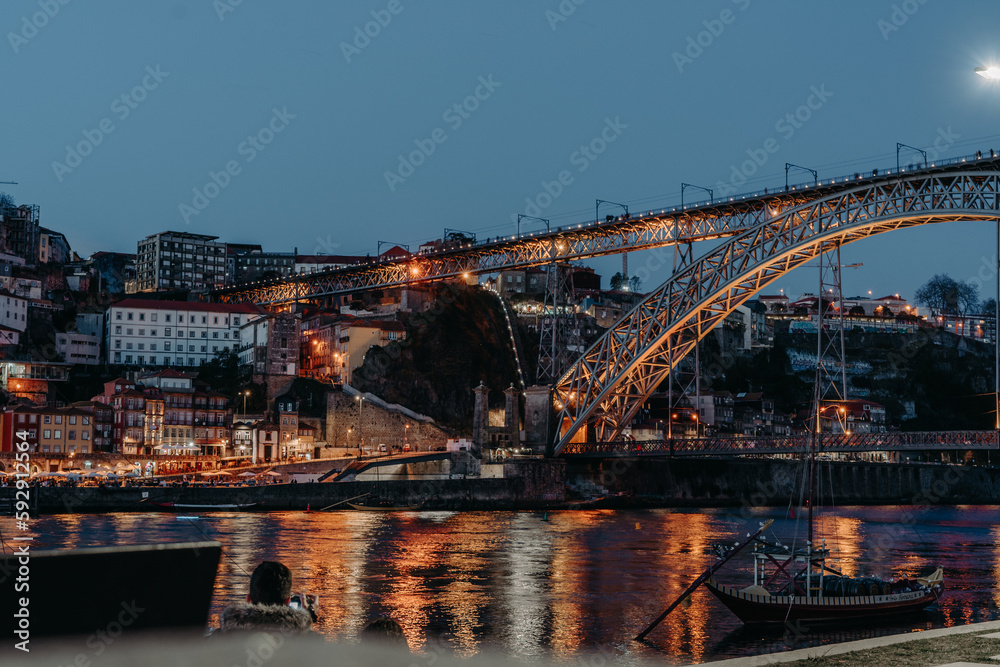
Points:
(560, 584)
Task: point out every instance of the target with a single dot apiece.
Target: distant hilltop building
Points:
(180, 260)
(19, 232)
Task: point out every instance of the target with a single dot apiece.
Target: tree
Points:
(856, 311)
(618, 282)
(940, 294)
(988, 307)
(6, 201)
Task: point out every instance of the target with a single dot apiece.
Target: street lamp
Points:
(991, 72)
(361, 437)
(245, 394)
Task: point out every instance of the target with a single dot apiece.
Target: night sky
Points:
(330, 126)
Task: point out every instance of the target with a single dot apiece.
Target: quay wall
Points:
(532, 484)
(772, 482)
(620, 482)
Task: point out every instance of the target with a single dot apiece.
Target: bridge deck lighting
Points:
(989, 72)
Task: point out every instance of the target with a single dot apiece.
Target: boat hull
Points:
(767, 609)
(389, 508)
(207, 508)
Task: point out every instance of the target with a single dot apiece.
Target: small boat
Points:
(384, 508)
(823, 597)
(207, 508)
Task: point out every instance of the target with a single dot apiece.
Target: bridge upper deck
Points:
(688, 224)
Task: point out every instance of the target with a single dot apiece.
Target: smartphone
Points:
(295, 602)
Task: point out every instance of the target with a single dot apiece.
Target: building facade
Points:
(180, 260)
(173, 333)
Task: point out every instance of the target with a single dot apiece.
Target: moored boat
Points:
(206, 507)
(384, 508)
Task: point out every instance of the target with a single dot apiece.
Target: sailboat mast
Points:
(817, 399)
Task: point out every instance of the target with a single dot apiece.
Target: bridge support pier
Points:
(538, 418)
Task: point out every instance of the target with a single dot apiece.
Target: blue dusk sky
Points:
(331, 126)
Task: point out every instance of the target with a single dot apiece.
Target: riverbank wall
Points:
(552, 484)
(727, 482)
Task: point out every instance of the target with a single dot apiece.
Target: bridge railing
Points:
(797, 444)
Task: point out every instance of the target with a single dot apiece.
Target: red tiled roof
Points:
(196, 306)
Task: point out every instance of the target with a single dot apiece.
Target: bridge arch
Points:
(606, 387)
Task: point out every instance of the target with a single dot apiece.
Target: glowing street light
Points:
(991, 72)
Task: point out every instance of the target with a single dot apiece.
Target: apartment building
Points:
(180, 260)
(174, 333)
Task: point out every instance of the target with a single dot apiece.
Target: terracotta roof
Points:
(196, 306)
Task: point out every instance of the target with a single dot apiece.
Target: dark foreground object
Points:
(106, 592)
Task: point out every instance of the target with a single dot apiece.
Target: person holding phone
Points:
(268, 605)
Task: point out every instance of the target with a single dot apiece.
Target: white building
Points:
(78, 348)
(174, 333)
(13, 311)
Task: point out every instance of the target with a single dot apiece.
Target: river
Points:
(570, 585)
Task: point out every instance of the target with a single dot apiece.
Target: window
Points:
(47, 419)
(33, 419)
(128, 332)
(71, 435)
(190, 348)
(46, 433)
(118, 315)
(166, 332)
(86, 421)
(118, 343)
(204, 319)
(168, 319)
(72, 420)
(85, 435)
(128, 346)
(153, 318)
(204, 334)
(215, 320)
(59, 419)
(57, 433)
(118, 329)
(142, 346)
(142, 332)
(215, 348)
(152, 332)
(152, 347)
(166, 346)
(142, 317)
(190, 334)
(204, 348)
(215, 334)
(129, 316)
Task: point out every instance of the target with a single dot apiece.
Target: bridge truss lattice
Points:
(601, 393)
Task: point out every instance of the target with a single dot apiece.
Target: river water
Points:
(571, 585)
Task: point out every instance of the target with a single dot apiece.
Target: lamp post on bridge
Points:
(685, 186)
(530, 217)
(789, 165)
(899, 145)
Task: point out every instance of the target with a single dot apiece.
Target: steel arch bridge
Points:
(599, 395)
(679, 227)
